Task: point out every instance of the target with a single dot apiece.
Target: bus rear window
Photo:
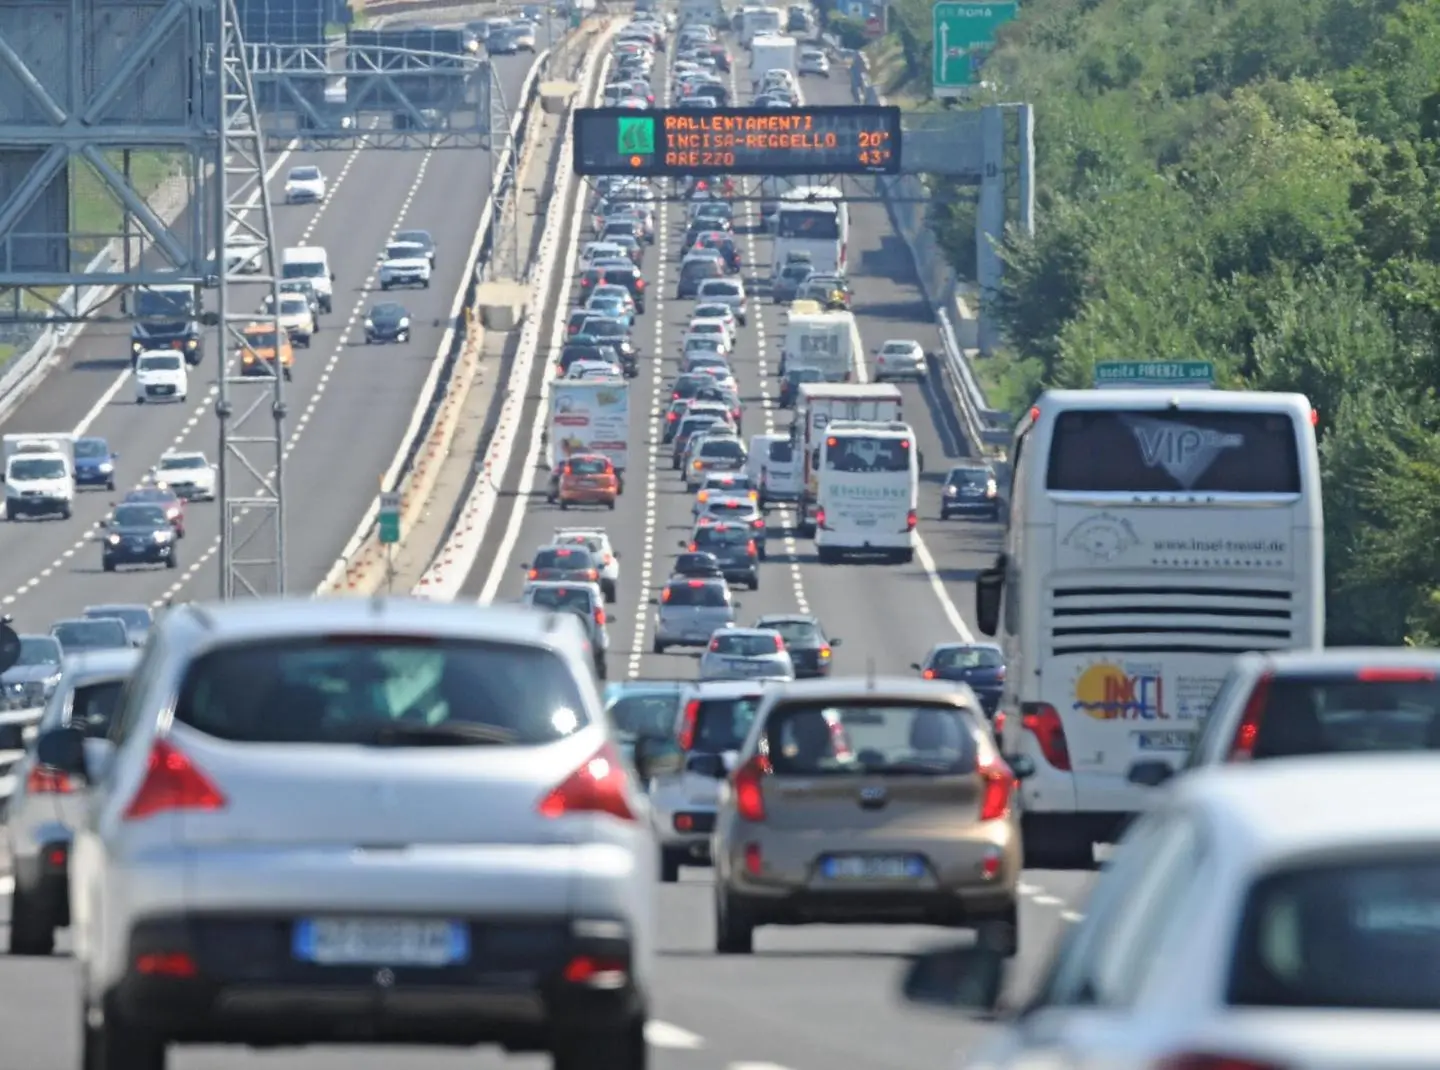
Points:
(857, 454)
(1159, 451)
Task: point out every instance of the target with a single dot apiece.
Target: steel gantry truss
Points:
(249, 407)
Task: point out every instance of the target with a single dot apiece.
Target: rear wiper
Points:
(448, 734)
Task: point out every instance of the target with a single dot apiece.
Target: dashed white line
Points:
(673, 1037)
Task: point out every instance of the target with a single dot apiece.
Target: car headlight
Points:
(114, 540)
(191, 343)
(136, 347)
(404, 321)
(162, 536)
(950, 491)
(369, 325)
(106, 466)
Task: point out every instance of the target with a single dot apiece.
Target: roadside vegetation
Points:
(1251, 182)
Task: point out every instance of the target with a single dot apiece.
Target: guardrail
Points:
(987, 429)
(361, 553)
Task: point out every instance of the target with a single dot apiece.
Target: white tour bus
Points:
(868, 492)
(1153, 536)
(814, 220)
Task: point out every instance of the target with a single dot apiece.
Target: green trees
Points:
(1252, 182)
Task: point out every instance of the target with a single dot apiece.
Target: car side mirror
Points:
(332, 276)
(63, 749)
(916, 666)
(654, 601)
(836, 642)
(683, 544)
(524, 566)
(965, 978)
(989, 586)
(1150, 773)
(1022, 765)
(12, 737)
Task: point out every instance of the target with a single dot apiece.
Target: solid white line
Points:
(755, 1066)
(501, 563)
(665, 1035)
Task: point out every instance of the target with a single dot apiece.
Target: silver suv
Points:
(353, 820)
(690, 611)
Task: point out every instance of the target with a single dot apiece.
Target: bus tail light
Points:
(1042, 721)
(820, 518)
(911, 519)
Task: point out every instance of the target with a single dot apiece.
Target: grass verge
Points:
(889, 72)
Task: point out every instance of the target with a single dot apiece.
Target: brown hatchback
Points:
(867, 801)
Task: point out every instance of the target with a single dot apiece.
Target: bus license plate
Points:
(1166, 741)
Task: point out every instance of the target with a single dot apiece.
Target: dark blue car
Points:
(94, 463)
(981, 665)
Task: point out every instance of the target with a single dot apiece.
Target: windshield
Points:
(969, 477)
(646, 714)
(175, 463)
(1362, 933)
(91, 447)
(304, 174)
(1160, 451)
(796, 272)
(159, 364)
(589, 466)
(132, 616)
(413, 237)
(575, 599)
(165, 304)
(400, 251)
(815, 224)
(38, 650)
(294, 306)
(567, 558)
(722, 289)
(796, 633)
(140, 516)
(862, 453)
(696, 593)
(603, 328)
(93, 705)
(303, 269)
(711, 312)
(812, 739)
(722, 724)
(699, 268)
(722, 447)
(24, 468)
(387, 312)
(744, 646)
(1340, 714)
(260, 339)
(91, 634)
(698, 422)
(707, 537)
(403, 691)
(967, 657)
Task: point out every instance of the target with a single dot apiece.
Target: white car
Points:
(594, 369)
(746, 654)
(900, 359)
(304, 185)
(244, 256)
(813, 61)
(404, 264)
(716, 311)
(709, 328)
(598, 543)
(296, 316)
(160, 376)
(724, 292)
(188, 473)
(598, 250)
(1275, 913)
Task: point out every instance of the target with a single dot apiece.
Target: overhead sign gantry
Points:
(837, 140)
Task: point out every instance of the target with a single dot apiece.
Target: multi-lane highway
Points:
(349, 404)
(820, 998)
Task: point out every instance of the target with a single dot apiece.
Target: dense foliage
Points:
(1252, 182)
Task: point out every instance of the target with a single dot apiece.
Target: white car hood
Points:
(409, 263)
(311, 184)
(200, 477)
(294, 319)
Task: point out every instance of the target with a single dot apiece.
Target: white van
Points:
(310, 262)
(773, 469)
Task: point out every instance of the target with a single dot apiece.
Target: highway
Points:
(819, 998)
(348, 404)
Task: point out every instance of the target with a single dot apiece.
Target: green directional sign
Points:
(1188, 374)
(389, 518)
(964, 35)
(635, 137)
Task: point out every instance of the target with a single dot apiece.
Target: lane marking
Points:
(673, 1037)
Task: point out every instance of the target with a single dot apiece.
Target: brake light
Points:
(693, 548)
(670, 416)
(568, 472)
(696, 583)
(172, 783)
(779, 643)
(999, 785)
(1395, 676)
(928, 674)
(1207, 1061)
(592, 574)
(690, 718)
(46, 781)
(599, 616)
(911, 519)
(699, 464)
(759, 522)
(639, 284)
(820, 517)
(749, 796)
(750, 546)
(534, 573)
(1243, 747)
(1041, 721)
(600, 786)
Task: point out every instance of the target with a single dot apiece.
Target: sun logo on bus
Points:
(1101, 537)
(1110, 692)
